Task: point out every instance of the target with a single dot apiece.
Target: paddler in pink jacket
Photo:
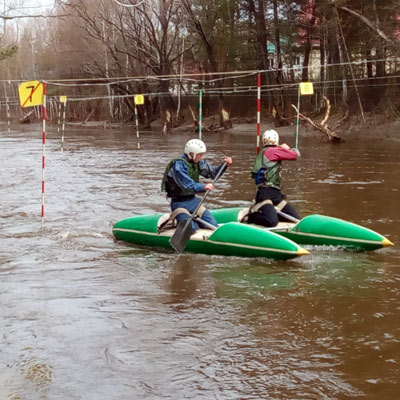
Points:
(267, 175)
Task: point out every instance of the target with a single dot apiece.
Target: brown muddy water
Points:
(85, 317)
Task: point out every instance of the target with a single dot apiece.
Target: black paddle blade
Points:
(182, 235)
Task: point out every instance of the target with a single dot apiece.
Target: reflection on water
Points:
(85, 317)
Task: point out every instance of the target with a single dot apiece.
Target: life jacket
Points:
(169, 185)
(266, 172)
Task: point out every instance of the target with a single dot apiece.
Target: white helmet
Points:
(270, 137)
(194, 146)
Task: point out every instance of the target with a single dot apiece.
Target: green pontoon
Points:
(317, 230)
(230, 239)
(235, 238)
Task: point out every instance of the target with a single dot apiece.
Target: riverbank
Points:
(353, 128)
(375, 127)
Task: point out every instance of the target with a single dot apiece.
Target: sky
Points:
(30, 6)
(19, 9)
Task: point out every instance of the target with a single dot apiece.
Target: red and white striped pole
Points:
(258, 110)
(43, 146)
(63, 124)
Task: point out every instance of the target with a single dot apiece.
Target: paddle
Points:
(205, 223)
(287, 216)
(184, 229)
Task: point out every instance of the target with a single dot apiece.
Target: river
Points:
(86, 317)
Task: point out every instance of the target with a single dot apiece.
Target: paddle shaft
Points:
(184, 229)
(205, 223)
(287, 216)
(221, 170)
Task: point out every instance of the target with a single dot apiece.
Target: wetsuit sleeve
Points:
(279, 154)
(179, 172)
(208, 171)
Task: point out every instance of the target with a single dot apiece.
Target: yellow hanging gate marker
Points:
(33, 93)
(138, 100)
(30, 94)
(305, 88)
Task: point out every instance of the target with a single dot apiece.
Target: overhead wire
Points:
(236, 90)
(203, 75)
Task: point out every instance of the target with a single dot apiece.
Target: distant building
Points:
(293, 62)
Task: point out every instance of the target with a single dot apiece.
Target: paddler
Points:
(181, 181)
(266, 173)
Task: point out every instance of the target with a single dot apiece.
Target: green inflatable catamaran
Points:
(318, 230)
(229, 239)
(235, 238)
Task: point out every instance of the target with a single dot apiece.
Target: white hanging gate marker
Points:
(139, 100)
(8, 115)
(258, 110)
(200, 113)
(63, 100)
(33, 93)
(305, 88)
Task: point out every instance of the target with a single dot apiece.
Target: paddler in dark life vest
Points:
(266, 173)
(181, 182)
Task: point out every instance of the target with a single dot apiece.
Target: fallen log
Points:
(25, 118)
(344, 118)
(88, 117)
(197, 124)
(322, 127)
(225, 122)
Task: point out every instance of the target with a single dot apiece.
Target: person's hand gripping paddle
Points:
(184, 229)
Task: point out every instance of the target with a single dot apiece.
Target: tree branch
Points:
(368, 23)
(333, 136)
(5, 18)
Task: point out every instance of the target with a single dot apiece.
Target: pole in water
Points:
(258, 110)
(137, 127)
(63, 124)
(8, 115)
(200, 112)
(32, 94)
(138, 100)
(298, 119)
(59, 119)
(43, 148)
(305, 88)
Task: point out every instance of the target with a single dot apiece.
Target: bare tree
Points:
(141, 41)
(205, 19)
